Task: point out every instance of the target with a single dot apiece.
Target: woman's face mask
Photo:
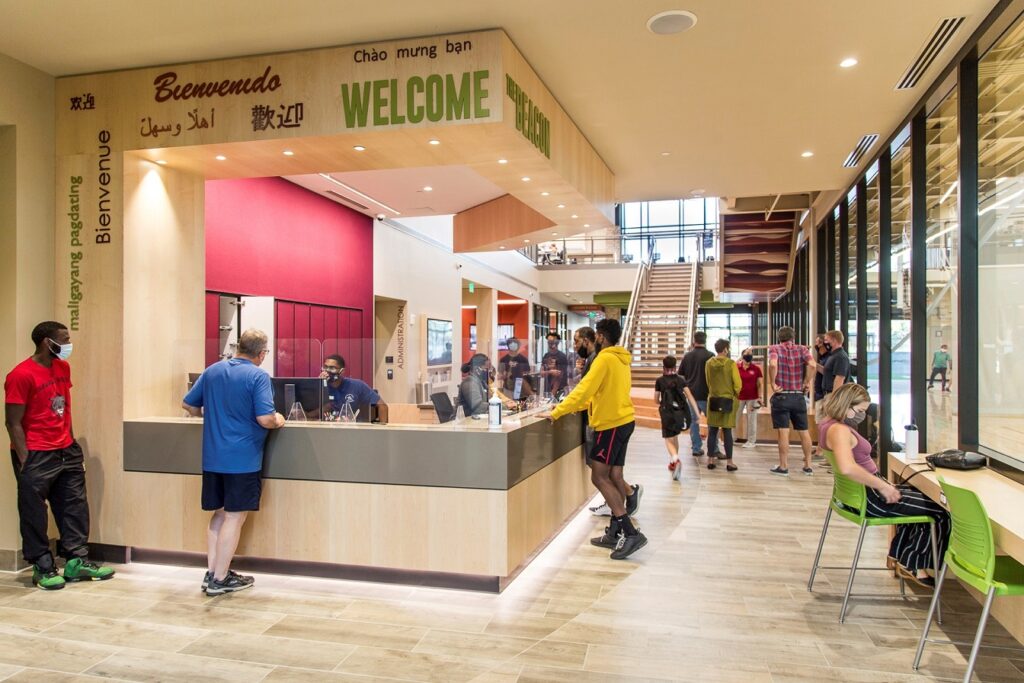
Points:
(749, 357)
(856, 418)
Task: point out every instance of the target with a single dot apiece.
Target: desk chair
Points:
(443, 407)
(850, 501)
(972, 557)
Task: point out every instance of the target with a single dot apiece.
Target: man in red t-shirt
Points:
(48, 462)
(750, 395)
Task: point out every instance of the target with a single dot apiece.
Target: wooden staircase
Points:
(662, 319)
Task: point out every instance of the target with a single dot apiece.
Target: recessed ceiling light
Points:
(567, 294)
(807, 155)
(586, 225)
(525, 178)
(162, 162)
(544, 194)
(554, 234)
(502, 161)
(561, 206)
(526, 241)
(671, 22)
(501, 247)
(699, 190)
(848, 62)
(574, 216)
(665, 154)
(428, 188)
(288, 153)
(359, 148)
(220, 157)
(434, 141)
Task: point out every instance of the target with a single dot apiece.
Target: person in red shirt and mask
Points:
(48, 462)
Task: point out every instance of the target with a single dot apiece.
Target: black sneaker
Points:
(231, 584)
(633, 500)
(627, 545)
(698, 453)
(208, 577)
(607, 541)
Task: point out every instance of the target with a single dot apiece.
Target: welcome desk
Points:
(456, 504)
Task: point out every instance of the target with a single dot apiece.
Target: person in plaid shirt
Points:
(791, 373)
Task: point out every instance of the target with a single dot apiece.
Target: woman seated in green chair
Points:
(911, 549)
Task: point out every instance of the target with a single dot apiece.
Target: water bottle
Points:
(910, 446)
(494, 410)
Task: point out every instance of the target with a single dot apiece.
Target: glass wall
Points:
(899, 259)
(851, 265)
(874, 253)
(941, 258)
(1000, 246)
(681, 230)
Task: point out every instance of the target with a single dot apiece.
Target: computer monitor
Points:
(308, 392)
(443, 407)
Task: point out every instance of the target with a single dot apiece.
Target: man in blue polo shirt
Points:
(340, 390)
(237, 404)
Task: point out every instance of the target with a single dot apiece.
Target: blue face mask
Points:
(63, 351)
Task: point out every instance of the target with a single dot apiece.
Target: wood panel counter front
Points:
(1003, 499)
(410, 500)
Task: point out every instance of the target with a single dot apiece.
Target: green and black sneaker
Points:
(78, 569)
(47, 580)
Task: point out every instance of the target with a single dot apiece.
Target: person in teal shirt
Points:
(942, 363)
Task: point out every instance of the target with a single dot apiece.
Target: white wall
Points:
(612, 277)
(27, 181)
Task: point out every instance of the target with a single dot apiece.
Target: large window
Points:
(874, 253)
(734, 325)
(899, 259)
(941, 258)
(1000, 246)
(851, 278)
(680, 230)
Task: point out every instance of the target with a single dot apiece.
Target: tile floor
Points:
(719, 595)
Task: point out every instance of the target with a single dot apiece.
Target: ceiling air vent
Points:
(939, 39)
(860, 150)
(348, 202)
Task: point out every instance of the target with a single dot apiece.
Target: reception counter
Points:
(456, 504)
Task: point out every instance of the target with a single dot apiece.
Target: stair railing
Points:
(640, 282)
(691, 312)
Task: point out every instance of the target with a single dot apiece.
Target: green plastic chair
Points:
(972, 557)
(850, 501)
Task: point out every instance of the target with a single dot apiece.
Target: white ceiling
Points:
(735, 100)
(453, 189)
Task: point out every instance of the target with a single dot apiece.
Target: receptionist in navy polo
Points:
(340, 390)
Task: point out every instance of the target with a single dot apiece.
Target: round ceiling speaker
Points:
(671, 22)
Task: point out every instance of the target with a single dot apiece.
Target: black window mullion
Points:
(862, 282)
(885, 307)
(918, 275)
(967, 270)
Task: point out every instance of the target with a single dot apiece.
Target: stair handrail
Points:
(639, 286)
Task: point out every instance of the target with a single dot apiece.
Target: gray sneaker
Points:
(779, 471)
(601, 510)
(231, 584)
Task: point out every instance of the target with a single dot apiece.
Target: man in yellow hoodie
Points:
(604, 393)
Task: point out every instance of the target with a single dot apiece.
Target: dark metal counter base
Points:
(325, 570)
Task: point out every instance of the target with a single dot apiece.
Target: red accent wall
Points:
(468, 318)
(270, 237)
(517, 315)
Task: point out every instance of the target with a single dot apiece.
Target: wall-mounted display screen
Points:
(439, 341)
(505, 332)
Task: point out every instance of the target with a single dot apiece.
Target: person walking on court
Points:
(942, 363)
(692, 368)
(674, 399)
(724, 386)
(236, 401)
(750, 395)
(791, 373)
(49, 465)
(605, 393)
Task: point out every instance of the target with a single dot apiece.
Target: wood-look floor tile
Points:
(473, 646)
(451, 617)
(940, 661)
(413, 666)
(209, 616)
(554, 653)
(285, 674)
(542, 674)
(58, 655)
(523, 626)
(269, 650)
(286, 602)
(7, 670)
(816, 674)
(124, 633)
(87, 603)
(28, 621)
(348, 632)
(30, 675)
(160, 667)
